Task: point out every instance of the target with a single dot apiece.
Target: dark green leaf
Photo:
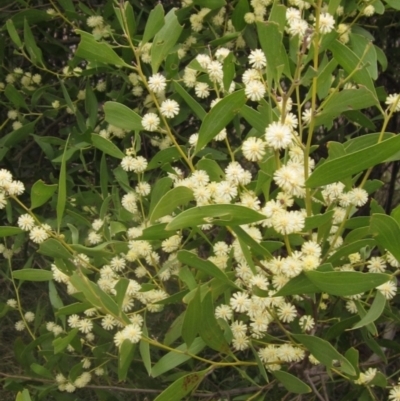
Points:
(41, 193)
(122, 116)
(291, 383)
(106, 146)
(8, 231)
(125, 356)
(154, 23)
(374, 312)
(192, 322)
(386, 232)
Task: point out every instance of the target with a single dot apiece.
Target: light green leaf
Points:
(182, 386)
(178, 196)
(144, 349)
(374, 312)
(60, 343)
(34, 51)
(209, 329)
(62, 189)
(177, 357)
(122, 116)
(13, 33)
(254, 118)
(298, 285)
(325, 352)
(386, 232)
(32, 275)
(125, 356)
(242, 7)
(345, 283)
(15, 97)
(393, 3)
(291, 383)
(51, 247)
(351, 63)
(205, 266)
(41, 193)
(154, 23)
(211, 4)
(220, 215)
(8, 231)
(257, 249)
(219, 117)
(106, 146)
(97, 52)
(165, 39)
(365, 49)
(338, 103)
(190, 101)
(24, 396)
(346, 166)
(192, 322)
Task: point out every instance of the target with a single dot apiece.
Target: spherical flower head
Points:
(298, 27)
(222, 53)
(257, 59)
(240, 302)
(215, 72)
(224, 312)
(5, 177)
(369, 10)
(326, 23)
(38, 235)
(202, 90)
(26, 222)
(253, 149)
(12, 303)
(73, 321)
(286, 312)
(85, 326)
(95, 21)
(20, 325)
(29, 316)
(358, 196)
(393, 101)
(278, 136)
(307, 323)
(388, 289)
(255, 90)
(169, 108)
(249, 18)
(150, 122)
(157, 83)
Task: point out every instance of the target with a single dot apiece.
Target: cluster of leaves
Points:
(192, 239)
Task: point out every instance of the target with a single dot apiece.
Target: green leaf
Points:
(18, 135)
(254, 118)
(106, 146)
(209, 329)
(220, 215)
(192, 322)
(51, 247)
(257, 249)
(291, 383)
(125, 356)
(15, 97)
(24, 396)
(41, 371)
(346, 166)
(32, 275)
(91, 106)
(182, 386)
(364, 49)
(13, 33)
(325, 352)
(177, 357)
(345, 283)
(30, 44)
(165, 39)
(62, 189)
(122, 116)
(154, 23)
(351, 63)
(178, 196)
(346, 250)
(205, 266)
(168, 155)
(242, 7)
(393, 3)
(196, 107)
(97, 52)
(144, 349)
(60, 343)
(8, 231)
(41, 193)
(298, 285)
(374, 312)
(338, 103)
(386, 232)
(219, 117)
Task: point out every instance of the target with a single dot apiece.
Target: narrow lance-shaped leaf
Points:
(346, 166)
(291, 383)
(106, 146)
(125, 356)
(33, 275)
(346, 283)
(30, 44)
(122, 116)
(222, 215)
(386, 232)
(13, 33)
(62, 189)
(101, 52)
(8, 231)
(219, 117)
(165, 39)
(154, 23)
(191, 322)
(178, 196)
(374, 312)
(325, 352)
(182, 386)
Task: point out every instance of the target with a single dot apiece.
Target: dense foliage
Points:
(187, 199)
